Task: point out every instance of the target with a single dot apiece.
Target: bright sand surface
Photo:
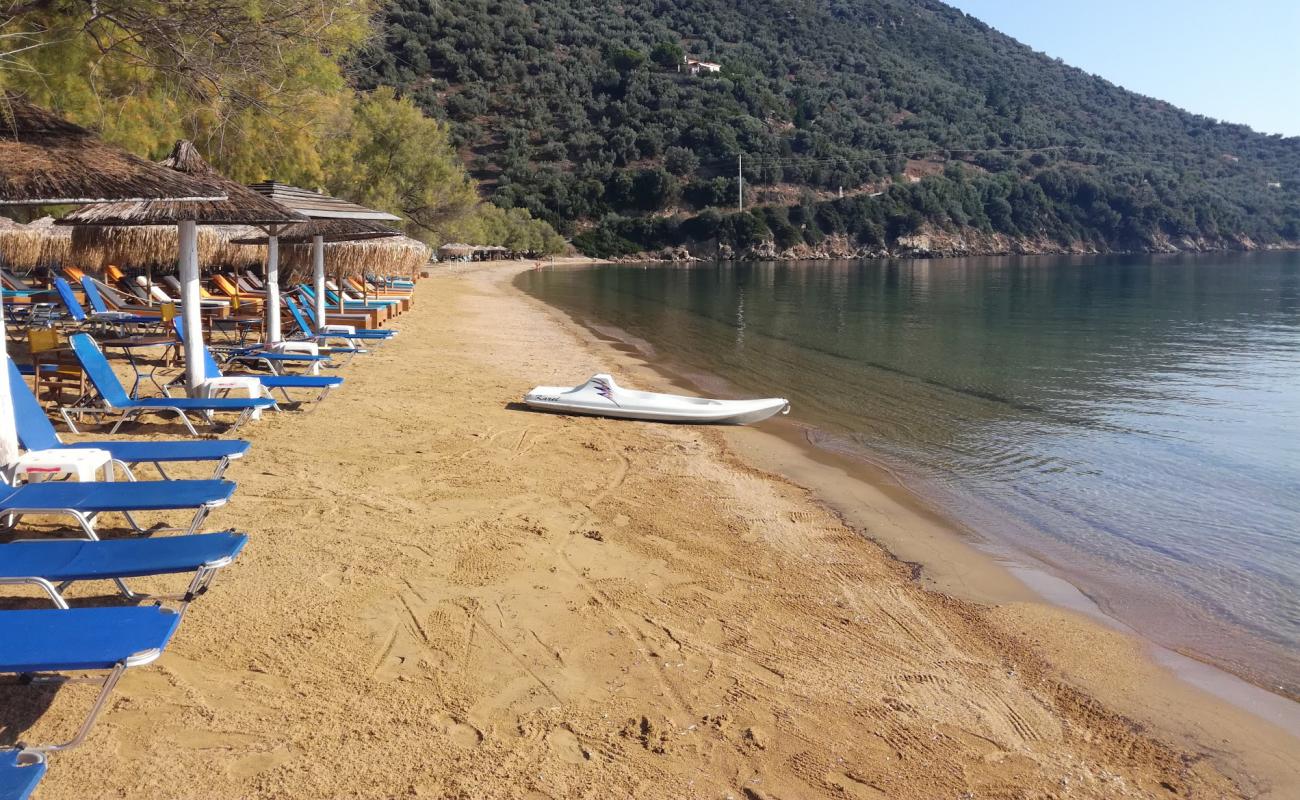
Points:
(447, 595)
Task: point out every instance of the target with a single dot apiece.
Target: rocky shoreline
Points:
(940, 244)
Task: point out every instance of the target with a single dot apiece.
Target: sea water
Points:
(1129, 423)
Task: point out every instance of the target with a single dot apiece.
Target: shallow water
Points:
(1132, 423)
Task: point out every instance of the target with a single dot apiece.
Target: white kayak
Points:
(602, 397)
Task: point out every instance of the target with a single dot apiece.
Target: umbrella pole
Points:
(318, 270)
(190, 309)
(8, 430)
(272, 289)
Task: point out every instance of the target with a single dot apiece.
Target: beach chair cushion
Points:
(203, 403)
(143, 452)
(67, 640)
(70, 302)
(59, 560)
(18, 777)
(116, 496)
(300, 381)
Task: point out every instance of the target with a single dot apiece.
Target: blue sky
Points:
(1235, 61)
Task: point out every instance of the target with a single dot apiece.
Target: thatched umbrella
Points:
(332, 231)
(397, 255)
(242, 206)
(455, 250)
(319, 207)
(46, 160)
(19, 246)
(154, 247)
(36, 244)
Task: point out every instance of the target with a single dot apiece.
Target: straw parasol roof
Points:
(333, 230)
(318, 205)
(38, 244)
(242, 205)
(155, 247)
(399, 255)
(44, 160)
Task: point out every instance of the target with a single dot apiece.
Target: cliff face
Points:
(941, 244)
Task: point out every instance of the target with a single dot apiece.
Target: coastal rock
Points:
(932, 242)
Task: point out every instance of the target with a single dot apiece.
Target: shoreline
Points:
(1052, 577)
(953, 558)
(949, 559)
(447, 595)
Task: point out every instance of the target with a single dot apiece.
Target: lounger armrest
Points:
(40, 583)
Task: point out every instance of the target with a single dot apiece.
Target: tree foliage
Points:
(259, 85)
(386, 154)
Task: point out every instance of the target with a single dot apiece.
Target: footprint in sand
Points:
(854, 787)
(460, 733)
(565, 745)
(257, 763)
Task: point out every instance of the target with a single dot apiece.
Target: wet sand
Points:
(449, 596)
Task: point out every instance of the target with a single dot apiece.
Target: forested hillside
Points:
(859, 120)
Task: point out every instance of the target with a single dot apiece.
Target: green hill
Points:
(859, 120)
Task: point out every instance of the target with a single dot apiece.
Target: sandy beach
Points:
(447, 595)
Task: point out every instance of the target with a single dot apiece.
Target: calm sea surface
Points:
(1131, 423)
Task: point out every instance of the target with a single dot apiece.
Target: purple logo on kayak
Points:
(604, 389)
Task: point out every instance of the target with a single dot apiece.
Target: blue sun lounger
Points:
(85, 501)
(309, 295)
(103, 312)
(52, 564)
(78, 314)
(20, 771)
(36, 433)
(115, 398)
(41, 646)
(306, 334)
(274, 360)
(392, 305)
(306, 320)
(323, 383)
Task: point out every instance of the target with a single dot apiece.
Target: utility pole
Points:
(740, 182)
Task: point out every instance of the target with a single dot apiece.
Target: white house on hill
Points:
(695, 66)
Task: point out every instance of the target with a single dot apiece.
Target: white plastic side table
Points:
(83, 464)
(248, 384)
